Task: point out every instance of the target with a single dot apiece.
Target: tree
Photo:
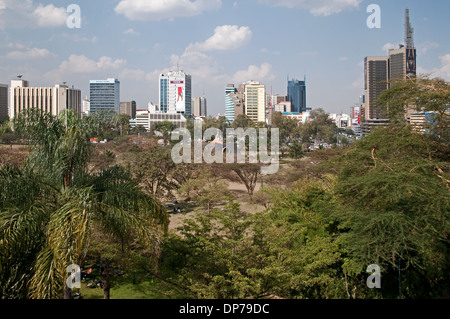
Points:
(422, 94)
(154, 170)
(165, 128)
(295, 150)
(49, 207)
(234, 255)
(321, 127)
(247, 174)
(206, 189)
(394, 187)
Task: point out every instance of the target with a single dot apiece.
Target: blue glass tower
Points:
(297, 95)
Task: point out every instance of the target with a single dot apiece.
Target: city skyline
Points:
(217, 42)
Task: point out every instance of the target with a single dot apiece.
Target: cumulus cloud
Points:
(83, 64)
(157, 10)
(388, 46)
(423, 48)
(226, 37)
(317, 7)
(130, 32)
(34, 53)
(20, 14)
(50, 16)
(255, 73)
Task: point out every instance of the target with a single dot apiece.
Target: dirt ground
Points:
(240, 193)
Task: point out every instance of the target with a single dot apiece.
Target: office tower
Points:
(234, 101)
(199, 107)
(3, 102)
(128, 108)
(403, 60)
(52, 100)
(255, 101)
(105, 95)
(297, 95)
(175, 93)
(376, 79)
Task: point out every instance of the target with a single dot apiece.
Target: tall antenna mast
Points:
(409, 32)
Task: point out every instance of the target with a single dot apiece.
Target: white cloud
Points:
(317, 7)
(388, 46)
(34, 53)
(130, 32)
(254, 73)
(82, 64)
(157, 10)
(20, 14)
(50, 16)
(200, 65)
(444, 70)
(226, 37)
(423, 48)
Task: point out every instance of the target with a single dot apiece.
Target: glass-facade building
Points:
(297, 95)
(105, 95)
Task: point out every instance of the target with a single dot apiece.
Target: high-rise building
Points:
(297, 95)
(175, 93)
(376, 80)
(255, 101)
(128, 108)
(403, 60)
(52, 100)
(105, 95)
(3, 102)
(234, 101)
(381, 72)
(199, 106)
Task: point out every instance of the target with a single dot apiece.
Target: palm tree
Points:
(49, 207)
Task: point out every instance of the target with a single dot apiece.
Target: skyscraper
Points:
(175, 93)
(403, 60)
(255, 101)
(382, 72)
(234, 101)
(105, 95)
(128, 108)
(3, 102)
(199, 107)
(297, 95)
(51, 100)
(376, 77)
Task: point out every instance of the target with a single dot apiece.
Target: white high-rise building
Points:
(52, 100)
(255, 101)
(175, 93)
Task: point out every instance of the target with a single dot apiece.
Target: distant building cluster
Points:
(176, 103)
(253, 100)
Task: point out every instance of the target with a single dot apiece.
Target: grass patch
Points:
(144, 287)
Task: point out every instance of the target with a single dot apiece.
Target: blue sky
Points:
(217, 42)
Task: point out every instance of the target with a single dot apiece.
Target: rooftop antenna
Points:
(409, 31)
